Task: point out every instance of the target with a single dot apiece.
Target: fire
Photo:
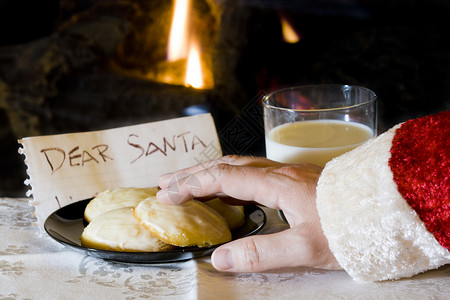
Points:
(289, 34)
(194, 76)
(179, 31)
(181, 40)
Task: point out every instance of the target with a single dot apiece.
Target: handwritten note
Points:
(66, 168)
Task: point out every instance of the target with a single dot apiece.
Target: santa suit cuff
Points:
(371, 229)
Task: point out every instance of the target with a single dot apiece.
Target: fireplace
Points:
(79, 65)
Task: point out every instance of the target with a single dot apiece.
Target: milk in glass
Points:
(316, 141)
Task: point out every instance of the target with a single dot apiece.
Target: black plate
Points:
(66, 226)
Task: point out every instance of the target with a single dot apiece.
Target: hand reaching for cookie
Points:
(288, 187)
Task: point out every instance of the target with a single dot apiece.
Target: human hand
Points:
(287, 187)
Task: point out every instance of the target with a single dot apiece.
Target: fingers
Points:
(166, 179)
(299, 246)
(290, 188)
(240, 182)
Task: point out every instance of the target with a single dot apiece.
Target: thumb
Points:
(289, 248)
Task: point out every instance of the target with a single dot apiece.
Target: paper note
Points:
(66, 168)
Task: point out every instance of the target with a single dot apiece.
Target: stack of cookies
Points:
(133, 220)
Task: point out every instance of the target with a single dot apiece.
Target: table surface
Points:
(34, 266)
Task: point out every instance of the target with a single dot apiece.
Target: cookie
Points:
(192, 223)
(119, 230)
(117, 198)
(233, 214)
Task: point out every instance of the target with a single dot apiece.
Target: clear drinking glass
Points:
(316, 123)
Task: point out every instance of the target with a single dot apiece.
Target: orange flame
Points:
(179, 31)
(194, 76)
(181, 40)
(289, 34)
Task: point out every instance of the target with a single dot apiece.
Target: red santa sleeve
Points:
(385, 206)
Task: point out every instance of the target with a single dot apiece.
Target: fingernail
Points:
(222, 259)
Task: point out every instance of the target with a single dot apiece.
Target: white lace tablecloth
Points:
(33, 266)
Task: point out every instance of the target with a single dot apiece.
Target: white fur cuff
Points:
(372, 231)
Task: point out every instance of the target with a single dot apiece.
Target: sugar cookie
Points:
(192, 223)
(233, 214)
(119, 230)
(117, 198)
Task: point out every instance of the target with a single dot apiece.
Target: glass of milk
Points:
(316, 123)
